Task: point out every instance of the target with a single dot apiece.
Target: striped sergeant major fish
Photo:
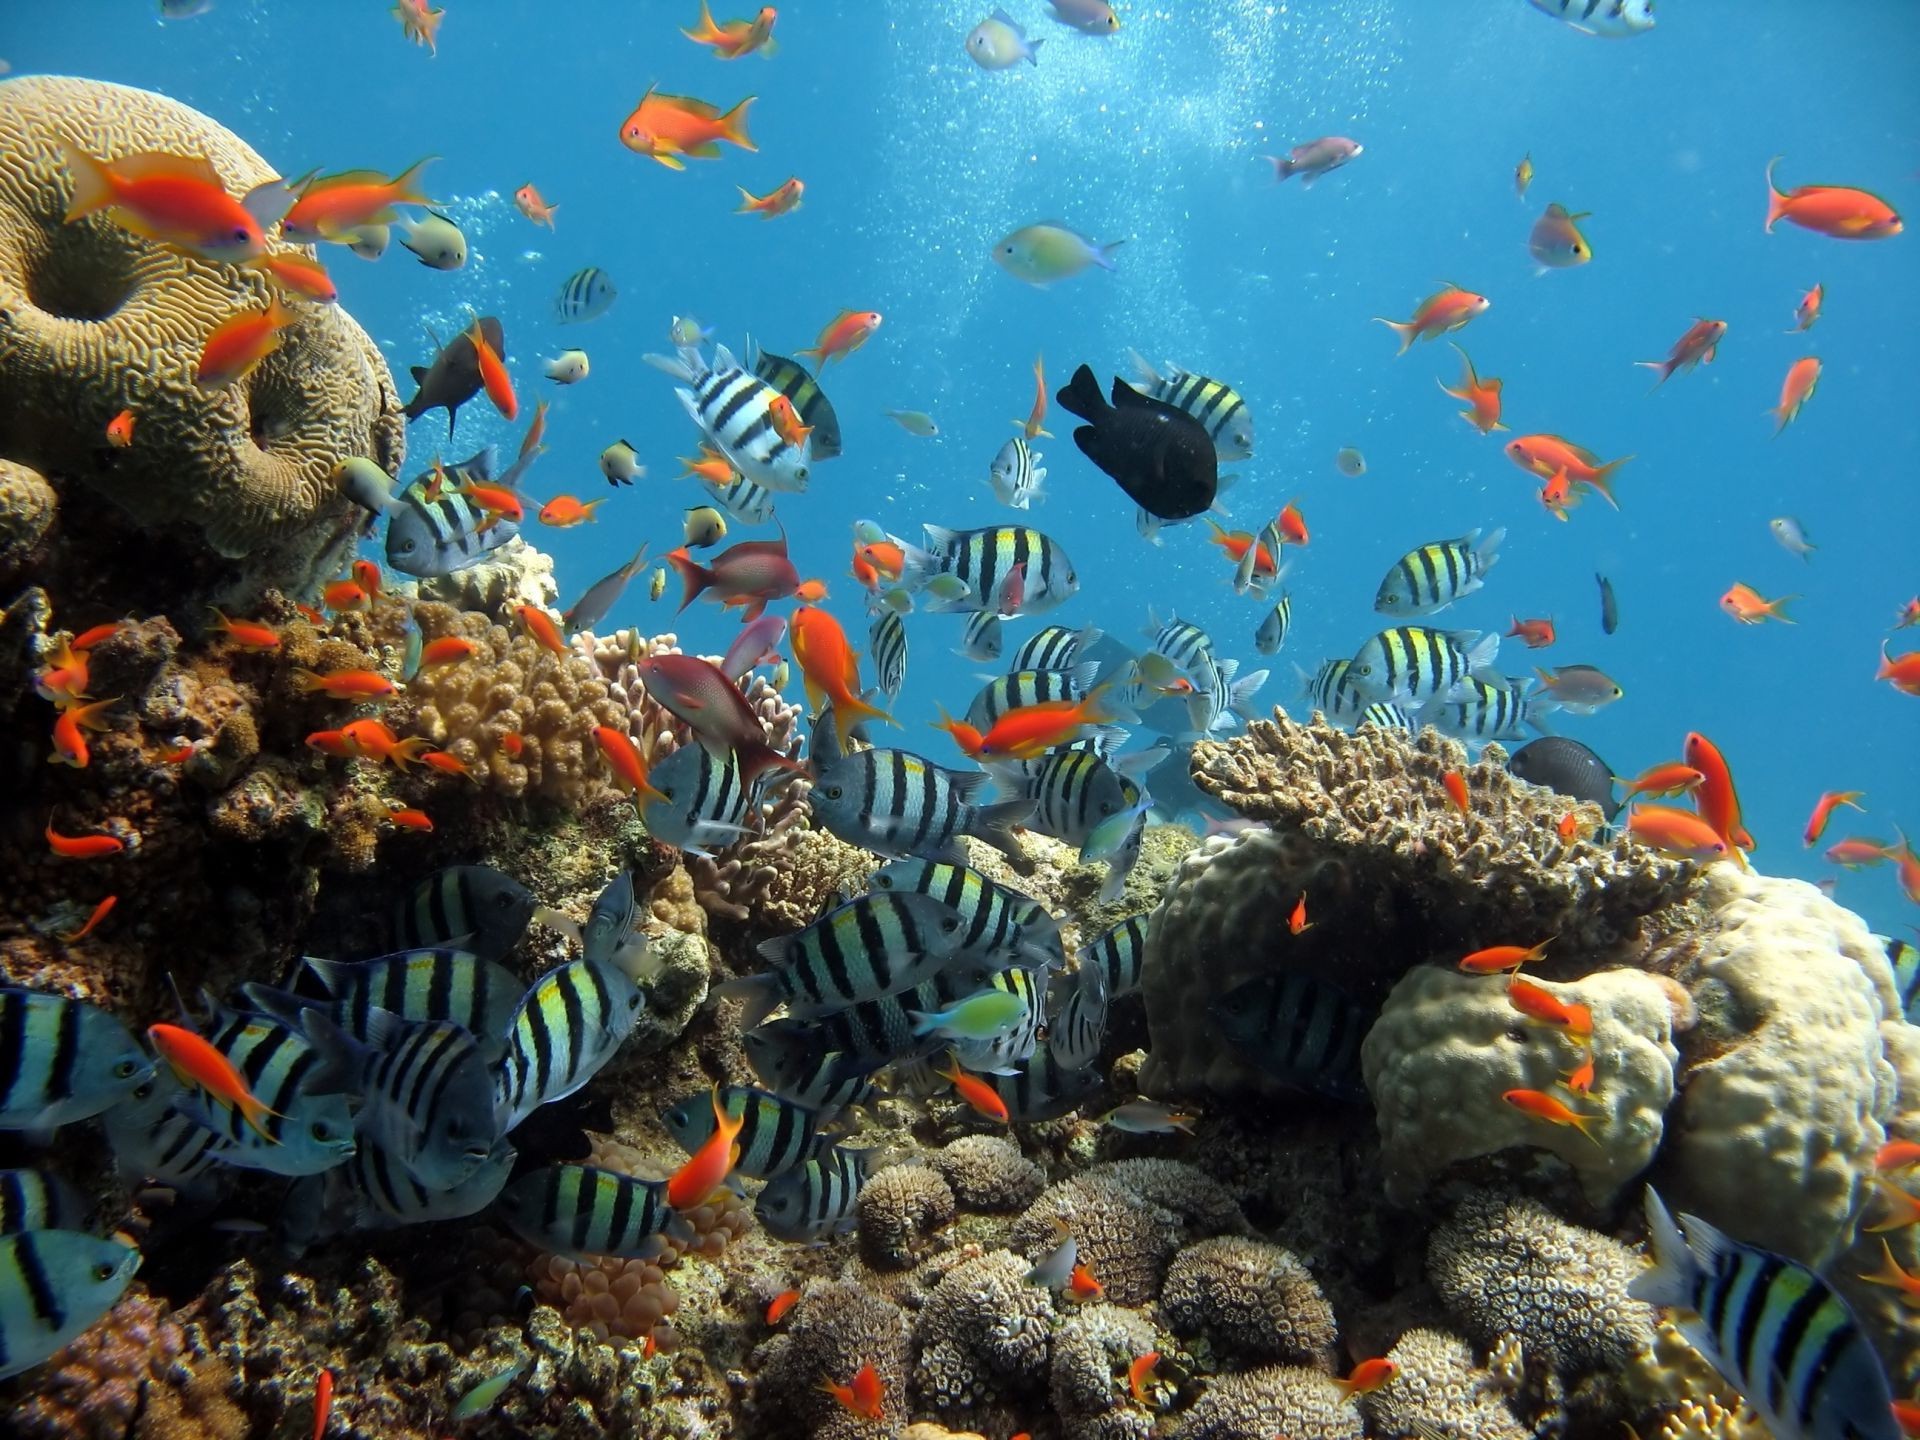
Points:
(735, 410)
(62, 1060)
(1775, 1331)
(305, 1132)
(1332, 691)
(1299, 1029)
(1077, 1025)
(775, 1134)
(1181, 641)
(817, 1201)
(1119, 952)
(613, 921)
(37, 1200)
(887, 643)
(1017, 476)
(793, 380)
(431, 534)
(587, 294)
(1905, 959)
(1219, 700)
(569, 1024)
(983, 559)
(436, 984)
(898, 804)
(1608, 19)
(54, 1285)
(1218, 407)
(1028, 687)
(1431, 577)
(1388, 717)
(152, 1140)
(875, 1032)
(374, 1190)
(982, 639)
(1053, 647)
(793, 1064)
(1482, 710)
(425, 1091)
(467, 907)
(997, 920)
(582, 1213)
(1043, 1088)
(745, 501)
(873, 946)
(1001, 1054)
(1419, 664)
(1073, 791)
(1272, 633)
(703, 802)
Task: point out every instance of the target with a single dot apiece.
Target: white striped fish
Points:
(448, 984)
(469, 907)
(898, 804)
(1043, 1088)
(1073, 791)
(1182, 642)
(384, 1192)
(1272, 633)
(775, 1133)
(1419, 664)
(1077, 1025)
(794, 1065)
(1216, 406)
(568, 1026)
(1610, 20)
(1387, 717)
(797, 383)
(996, 919)
(1053, 647)
(872, 946)
(55, 1284)
(817, 1201)
(745, 501)
(1332, 691)
(704, 803)
(439, 535)
(1004, 1054)
(887, 644)
(62, 1060)
(153, 1140)
(1119, 952)
(306, 1133)
(982, 639)
(1431, 577)
(734, 408)
(582, 1212)
(1028, 687)
(38, 1200)
(1017, 476)
(1481, 710)
(585, 295)
(982, 560)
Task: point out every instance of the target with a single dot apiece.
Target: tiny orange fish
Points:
(843, 335)
(733, 38)
(1823, 809)
(1537, 634)
(322, 1403)
(1557, 495)
(1481, 397)
(567, 510)
(1903, 1209)
(83, 847)
(786, 421)
(297, 275)
(1808, 310)
(445, 651)
(1291, 524)
(310, 615)
(367, 575)
(649, 1347)
(1456, 785)
(120, 430)
(330, 742)
(624, 759)
(1891, 1274)
(1536, 1002)
(1900, 671)
(69, 733)
(711, 465)
(1038, 414)
(810, 592)
(1367, 1377)
(778, 1307)
(1750, 607)
(177, 757)
(1447, 309)
(1297, 922)
(1543, 1106)
(1897, 1155)
(345, 595)
(406, 818)
(248, 635)
(864, 1397)
(975, 1091)
(1803, 378)
(198, 1065)
(706, 1170)
(96, 635)
(448, 763)
(99, 913)
(1580, 1079)
(63, 680)
(493, 374)
(1497, 958)
(344, 684)
(1568, 826)
(538, 624)
(499, 502)
(531, 205)
(1673, 778)
(1139, 1373)
(513, 744)
(780, 200)
(239, 343)
(372, 740)
(1082, 1286)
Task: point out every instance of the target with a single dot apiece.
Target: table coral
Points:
(95, 319)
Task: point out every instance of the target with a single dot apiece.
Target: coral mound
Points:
(836, 1328)
(1253, 1300)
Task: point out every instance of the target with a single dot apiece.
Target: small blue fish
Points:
(62, 1060)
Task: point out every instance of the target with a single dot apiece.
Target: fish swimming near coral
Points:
(1568, 766)
(817, 1201)
(581, 1211)
(897, 803)
(735, 409)
(55, 1284)
(469, 907)
(775, 1134)
(1162, 457)
(1299, 1029)
(453, 376)
(431, 534)
(569, 1024)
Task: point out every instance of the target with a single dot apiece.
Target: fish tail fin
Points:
(1103, 254)
(693, 575)
(1603, 480)
(1033, 51)
(704, 31)
(819, 353)
(1662, 366)
(758, 993)
(406, 185)
(1405, 329)
(1889, 1272)
(996, 823)
(1778, 609)
(1776, 202)
(733, 125)
(92, 183)
(854, 709)
(756, 757)
(1082, 396)
(1282, 167)
(1676, 1273)
(748, 201)
(1240, 695)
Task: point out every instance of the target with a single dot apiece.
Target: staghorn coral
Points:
(1252, 1300)
(1508, 1266)
(94, 320)
(1710, 1420)
(1788, 1086)
(901, 1209)
(1393, 871)
(1439, 1393)
(981, 1342)
(511, 686)
(836, 1327)
(1447, 1046)
(1092, 1349)
(989, 1173)
(1299, 1404)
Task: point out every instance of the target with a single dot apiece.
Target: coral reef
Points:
(1438, 1390)
(1087, 1384)
(900, 1208)
(986, 1172)
(836, 1328)
(981, 1342)
(1281, 1399)
(97, 320)
(1447, 1046)
(512, 575)
(1252, 1301)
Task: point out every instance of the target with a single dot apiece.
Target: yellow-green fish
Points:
(657, 586)
(705, 526)
(1350, 463)
(999, 41)
(482, 1396)
(1523, 175)
(914, 422)
(1048, 251)
(1556, 242)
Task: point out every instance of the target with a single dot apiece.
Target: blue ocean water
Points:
(915, 161)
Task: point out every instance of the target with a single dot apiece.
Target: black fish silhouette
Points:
(1162, 457)
(454, 376)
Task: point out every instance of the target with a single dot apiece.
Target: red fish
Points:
(366, 575)
(198, 1065)
(120, 430)
(1903, 1209)
(1082, 1286)
(1662, 780)
(829, 667)
(92, 922)
(1538, 634)
(778, 1307)
(1543, 1106)
(322, 1403)
(1676, 832)
(1900, 671)
(1030, 426)
(493, 374)
(783, 198)
(1823, 809)
(1481, 397)
(248, 635)
(345, 595)
(1802, 378)
(69, 733)
(405, 818)
(334, 206)
(699, 692)
(173, 200)
(750, 573)
(1367, 1377)
(624, 759)
(1443, 311)
(445, 651)
(372, 740)
(83, 847)
(531, 205)
(1580, 1079)
(707, 1168)
(1139, 1373)
(1808, 310)
(344, 684)
(1834, 210)
(1716, 798)
(1857, 853)
(865, 1396)
(1029, 731)
(1297, 922)
(1291, 524)
(975, 1091)
(1897, 1155)
(1548, 455)
(239, 343)
(1750, 607)
(63, 680)
(1698, 346)
(1536, 1002)
(96, 635)
(844, 334)
(1496, 958)
(564, 511)
(1456, 786)
(1568, 826)
(538, 624)
(445, 762)
(297, 275)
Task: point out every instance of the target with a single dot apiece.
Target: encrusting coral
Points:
(1280, 1399)
(95, 320)
(1251, 1300)
(1437, 1390)
(981, 1342)
(835, 1328)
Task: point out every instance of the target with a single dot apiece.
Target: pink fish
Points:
(699, 692)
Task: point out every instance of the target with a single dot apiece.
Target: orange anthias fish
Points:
(707, 1168)
(1580, 1079)
(864, 1396)
(1481, 397)
(372, 740)
(1139, 1372)
(1082, 1285)
(322, 1403)
(419, 24)
(1568, 826)
(829, 668)
(198, 1065)
(1547, 455)
(566, 510)
(1900, 671)
(528, 200)
(1906, 1414)
(1028, 731)
(1716, 798)
(120, 430)
(733, 38)
(863, 571)
(712, 466)
(1543, 1106)
(1456, 788)
(1557, 495)
(345, 595)
(778, 1307)
(63, 680)
(538, 624)
(1536, 1002)
(366, 575)
(1676, 832)
(1823, 809)
(624, 759)
(1442, 312)
(92, 922)
(97, 635)
(667, 127)
(1897, 1155)
(1237, 542)
(1890, 1274)
(1802, 377)
(780, 200)
(1750, 607)
(83, 847)
(1496, 958)
(1367, 1377)
(69, 733)
(975, 1091)
(1031, 425)
(1291, 524)
(1906, 862)
(333, 207)
(249, 635)
(1835, 210)
(297, 275)
(844, 334)
(239, 343)
(493, 374)
(1297, 922)
(445, 762)
(1698, 346)
(406, 818)
(786, 422)
(1658, 781)
(344, 684)
(173, 200)
(1857, 853)
(1909, 615)
(1903, 1209)
(885, 556)
(1538, 634)
(1808, 310)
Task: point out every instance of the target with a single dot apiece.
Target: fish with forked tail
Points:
(454, 376)
(1161, 456)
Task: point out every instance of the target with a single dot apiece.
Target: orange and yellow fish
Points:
(1698, 346)
(345, 595)
(1139, 1372)
(778, 1307)
(1481, 397)
(731, 39)
(1676, 832)
(1892, 1275)
(344, 684)
(419, 24)
(1808, 310)
(669, 127)
(1838, 211)
(173, 200)
(1750, 607)
(248, 635)
(1444, 311)
(372, 740)
(297, 275)
(712, 466)
(1455, 785)
(1903, 1209)
(1038, 414)
(1823, 809)
(1297, 922)
(786, 423)
(120, 430)
(975, 1091)
(1082, 1285)
(83, 847)
(1029, 731)
(829, 668)
(1900, 671)
(540, 627)
(706, 1170)
(69, 733)
(624, 759)
(1543, 1106)
(333, 207)
(567, 510)
(1498, 958)
(1659, 781)
(198, 1065)
(63, 680)
(1367, 1377)
(92, 922)
(782, 199)
(527, 199)
(404, 817)
(1548, 456)
(1536, 634)
(843, 335)
(864, 1395)
(1803, 376)
(239, 343)
(493, 374)
(1536, 1002)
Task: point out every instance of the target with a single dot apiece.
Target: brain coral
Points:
(94, 320)
(1447, 1046)
(1255, 1301)
(1780, 1113)
(1393, 872)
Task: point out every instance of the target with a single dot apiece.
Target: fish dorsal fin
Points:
(161, 163)
(1125, 397)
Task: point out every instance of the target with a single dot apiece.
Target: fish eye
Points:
(321, 1131)
(832, 792)
(126, 1070)
(103, 1272)
(240, 233)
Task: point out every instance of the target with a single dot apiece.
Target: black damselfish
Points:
(1162, 457)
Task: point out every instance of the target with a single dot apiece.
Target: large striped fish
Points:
(793, 380)
(1431, 577)
(152, 1140)
(1482, 710)
(568, 1026)
(379, 1190)
(1218, 407)
(431, 533)
(37, 1200)
(982, 560)
(1053, 647)
(1299, 1028)
(1017, 475)
(898, 804)
(54, 1284)
(745, 501)
(1119, 952)
(470, 907)
(887, 643)
(734, 408)
(1072, 791)
(305, 1133)
(1610, 20)
(583, 1212)
(1332, 691)
(1077, 1023)
(1000, 1054)
(62, 1060)
(817, 1201)
(1028, 687)
(1419, 664)
(703, 803)
(439, 983)
(997, 919)
(775, 1134)
(1043, 1088)
(792, 1063)
(1181, 641)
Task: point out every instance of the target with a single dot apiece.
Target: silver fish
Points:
(592, 608)
(439, 536)
(569, 1025)
(1017, 475)
(705, 804)
(435, 241)
(981, 640)
(583, 1212)
(982, 560)
(1272, 633)
(817, 1201)
(585, 295)
(735, 410)
(898, 804)
(887, 644)
(55, 1284)
(62, 1060)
